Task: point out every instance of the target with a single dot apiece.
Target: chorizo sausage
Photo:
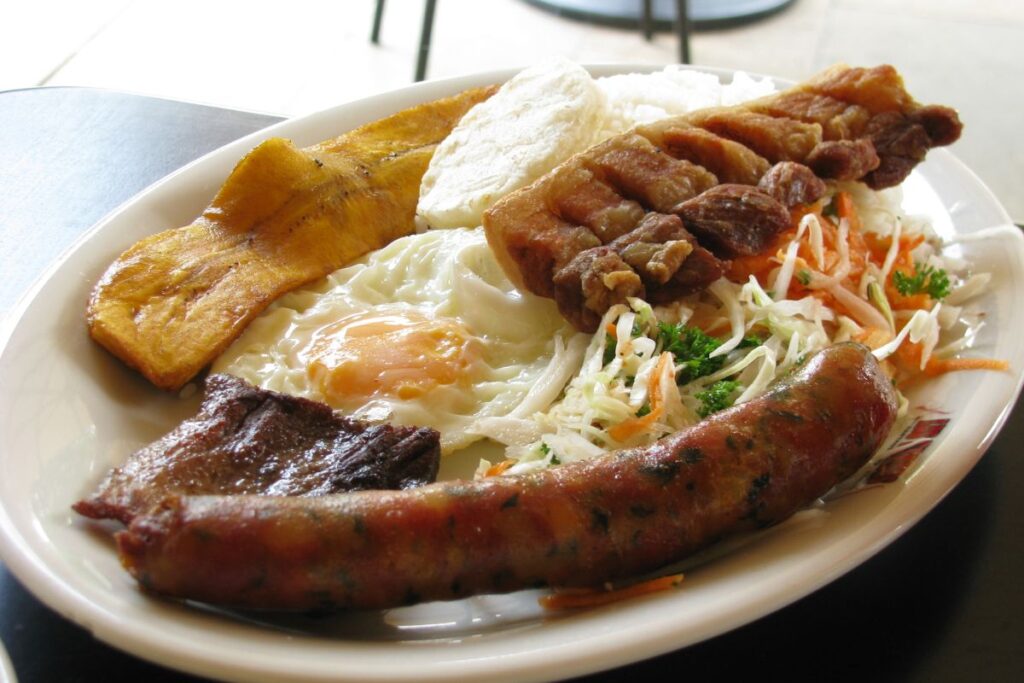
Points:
(579, 524)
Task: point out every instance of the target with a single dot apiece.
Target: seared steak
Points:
(246, 440)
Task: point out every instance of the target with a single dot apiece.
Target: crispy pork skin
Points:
(844, 124)
(658, 261)
(792, 184)
(734, 220)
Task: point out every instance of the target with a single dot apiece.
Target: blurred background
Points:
(296, 57)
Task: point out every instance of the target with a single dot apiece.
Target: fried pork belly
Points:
(870, 105)
(727, 175)
(285, 216)
(659, 257)
(728, 161)
(246, 440)
(792, 184)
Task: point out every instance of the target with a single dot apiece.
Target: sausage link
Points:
(580, 524)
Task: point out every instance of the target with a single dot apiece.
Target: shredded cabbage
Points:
(637, 382)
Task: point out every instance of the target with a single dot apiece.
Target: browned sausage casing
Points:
(580, 524)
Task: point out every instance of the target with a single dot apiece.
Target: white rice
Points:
(632, 99)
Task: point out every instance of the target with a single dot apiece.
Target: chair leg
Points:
(683, 29)
(378, 14)
(645, 21)
(428, 27)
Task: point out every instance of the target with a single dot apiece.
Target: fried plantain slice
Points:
(284, 217)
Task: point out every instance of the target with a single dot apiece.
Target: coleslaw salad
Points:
(850, 267)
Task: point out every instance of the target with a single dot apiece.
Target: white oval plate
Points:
(6, 668)
(69, 411)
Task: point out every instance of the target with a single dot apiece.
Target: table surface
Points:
(942, 603)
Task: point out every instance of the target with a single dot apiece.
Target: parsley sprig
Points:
(716, 397)
(926, 279)
(692, 350)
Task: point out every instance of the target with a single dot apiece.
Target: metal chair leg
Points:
(428, 26)
(646, 23)
(378, 14)
(683, 29)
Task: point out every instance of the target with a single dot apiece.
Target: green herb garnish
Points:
(609, 349)
(645, 409)
(803, 276)
(716, 397)
(926, 279)
(692, 350)
(546, 450)
(750, 342)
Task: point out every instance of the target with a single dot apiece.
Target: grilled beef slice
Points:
(247, 440)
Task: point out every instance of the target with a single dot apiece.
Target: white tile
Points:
(978, 11)
(251, 56)
(316, 53)
(36, 38)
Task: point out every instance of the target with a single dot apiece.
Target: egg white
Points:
(523, 350)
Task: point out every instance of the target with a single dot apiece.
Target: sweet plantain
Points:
(285, 216)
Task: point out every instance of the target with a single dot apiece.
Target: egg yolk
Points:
(403, 355)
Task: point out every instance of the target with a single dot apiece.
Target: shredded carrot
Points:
(863, 248)
(610, 329)
(908, 359)
(909, 302)
(846, 209)
(759, 265)
(860, 255)
(908, 356)
(797, 213)
(877, 246)
(938, 366)
(872, 337)
(495, 470)
(635, 425)
(570, 598)
(908, 244)
(857, 247)
(904, 264)
(905, 256)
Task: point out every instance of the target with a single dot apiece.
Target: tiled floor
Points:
(309, 54)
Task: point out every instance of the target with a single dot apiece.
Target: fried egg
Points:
(427, 331)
